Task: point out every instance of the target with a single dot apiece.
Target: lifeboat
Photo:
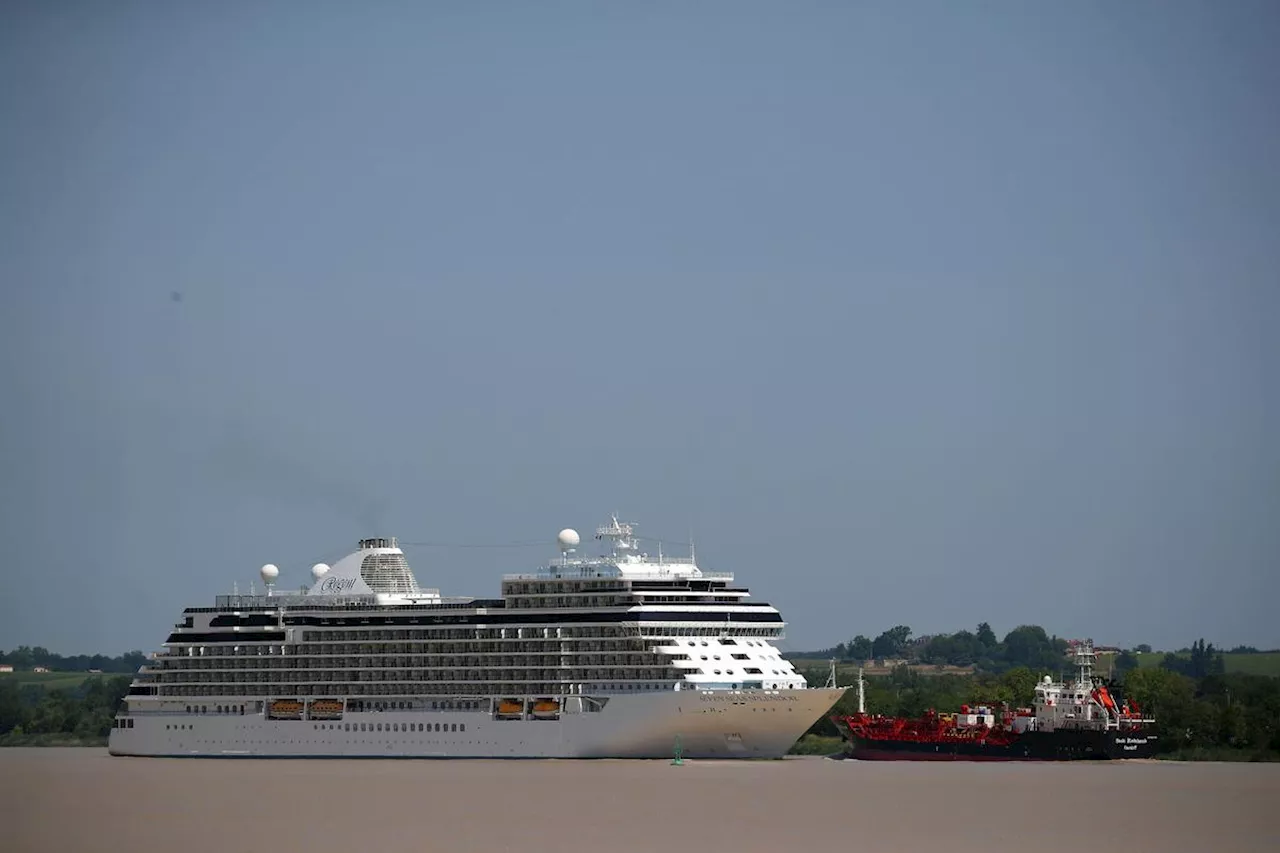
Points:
(325, 709)
(285, 709)
(510, 706)
(546, 708)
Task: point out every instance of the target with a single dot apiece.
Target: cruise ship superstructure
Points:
(624, 655)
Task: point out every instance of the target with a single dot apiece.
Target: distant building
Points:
(1098, 649)
(6, 667)
(39, 669)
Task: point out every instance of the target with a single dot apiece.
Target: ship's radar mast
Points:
(1085, 659)
(622, 536)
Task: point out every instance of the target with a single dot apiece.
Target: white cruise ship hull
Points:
(705, 723)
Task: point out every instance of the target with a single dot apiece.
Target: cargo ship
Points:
(1068, 722)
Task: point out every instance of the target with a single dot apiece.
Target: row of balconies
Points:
(313, 644)
(517, 688)
(170, 664)
(347, 634)
(469, 678)
(406, 674)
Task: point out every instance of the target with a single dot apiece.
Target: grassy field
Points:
(1263, 663)
(50, 680)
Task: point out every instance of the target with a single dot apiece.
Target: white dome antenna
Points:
(568, 539)
(269, 574)
(318, 571)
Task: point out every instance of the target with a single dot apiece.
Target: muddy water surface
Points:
(83, 799)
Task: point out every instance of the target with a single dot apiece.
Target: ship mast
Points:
(862, 686)
(1085, 658)
(621, 535)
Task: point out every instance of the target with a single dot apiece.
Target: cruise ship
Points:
(621, 655)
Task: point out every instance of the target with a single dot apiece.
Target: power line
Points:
(527, 544)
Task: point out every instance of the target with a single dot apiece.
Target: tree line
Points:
(1024, 646)
(32, 713)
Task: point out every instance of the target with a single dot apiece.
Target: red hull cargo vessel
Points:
(1069, 721)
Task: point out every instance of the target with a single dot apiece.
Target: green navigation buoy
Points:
(677, 761)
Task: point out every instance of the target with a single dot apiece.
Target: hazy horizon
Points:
(925, 314)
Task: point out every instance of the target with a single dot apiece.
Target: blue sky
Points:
(925, 313)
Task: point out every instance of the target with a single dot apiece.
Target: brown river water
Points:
(82, 799)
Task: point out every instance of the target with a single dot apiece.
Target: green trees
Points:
(1030, 646)
(1125, 661)
(892, 643)
(84, 713)
(959, 649)
(1201, 661)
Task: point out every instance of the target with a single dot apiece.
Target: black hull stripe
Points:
(477, 620)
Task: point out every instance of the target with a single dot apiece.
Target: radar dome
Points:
(568, 539)
(319, 570)
(269, 574)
